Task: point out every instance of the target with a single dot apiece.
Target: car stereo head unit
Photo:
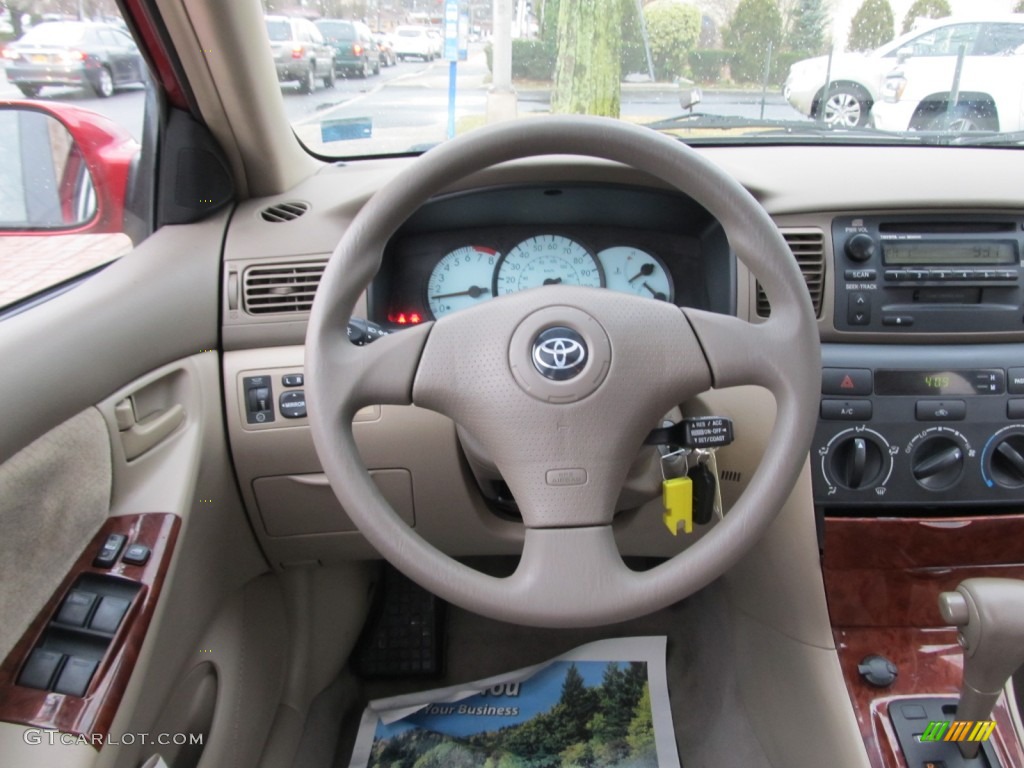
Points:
(928, 274)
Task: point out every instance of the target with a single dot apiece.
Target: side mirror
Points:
(904, 53)
(62, 170)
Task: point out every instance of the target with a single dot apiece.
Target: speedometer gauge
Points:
(631, 270)
(546, 260)
(461, 279)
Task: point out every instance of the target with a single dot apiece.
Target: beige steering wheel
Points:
(564, 412)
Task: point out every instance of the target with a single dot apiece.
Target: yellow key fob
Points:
(677, 497)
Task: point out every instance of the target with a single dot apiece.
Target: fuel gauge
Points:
(631, 270)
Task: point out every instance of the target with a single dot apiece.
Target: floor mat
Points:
(711, 726)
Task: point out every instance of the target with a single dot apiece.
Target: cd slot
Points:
(963, 295)
(946, 227)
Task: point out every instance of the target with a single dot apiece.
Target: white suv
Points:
(414, 41)
(856, 78)
(918, 94)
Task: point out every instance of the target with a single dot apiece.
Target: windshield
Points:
(815, 71)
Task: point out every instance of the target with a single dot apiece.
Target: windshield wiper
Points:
(986, 138)
(766, 127)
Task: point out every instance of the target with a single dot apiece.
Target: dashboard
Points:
(461, 250)
(899, 443)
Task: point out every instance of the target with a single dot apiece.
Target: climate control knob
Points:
(1006, 461)
(937, 463)
(857, 462)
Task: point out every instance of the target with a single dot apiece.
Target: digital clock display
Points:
(920, 252)
(980, 381)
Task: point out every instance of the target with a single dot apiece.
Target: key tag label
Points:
(677, 498)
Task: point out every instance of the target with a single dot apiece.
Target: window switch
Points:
(75, 609)
(40, 668)
(109, 614)
(74, 678)
(136, 554)
(110, 550)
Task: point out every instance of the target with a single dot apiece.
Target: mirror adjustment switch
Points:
(40, 669)
(136, 554)
(110, 550)
(75, 609)
(293, 379)
(293, 404)
(74, 678)
(109, 614)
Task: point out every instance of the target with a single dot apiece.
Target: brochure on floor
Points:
(604, 704)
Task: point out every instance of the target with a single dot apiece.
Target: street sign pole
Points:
(451, 53)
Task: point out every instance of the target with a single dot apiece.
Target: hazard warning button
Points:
(846, 381)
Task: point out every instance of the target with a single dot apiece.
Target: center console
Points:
(918, 462)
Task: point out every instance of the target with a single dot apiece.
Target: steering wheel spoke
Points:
(380, 373)
(739, 352)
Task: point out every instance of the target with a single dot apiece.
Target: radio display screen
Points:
(990, 381)
(915, 252)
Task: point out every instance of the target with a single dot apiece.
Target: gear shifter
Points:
(989, 614)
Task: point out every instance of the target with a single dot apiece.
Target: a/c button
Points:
(846, 410)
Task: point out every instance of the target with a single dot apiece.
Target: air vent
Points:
(281, 287)
(808, 246)
(284, 211)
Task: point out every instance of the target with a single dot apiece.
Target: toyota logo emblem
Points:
(559, 353)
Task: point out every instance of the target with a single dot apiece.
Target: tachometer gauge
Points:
(631, 270)
(461, 279)
(546, 260)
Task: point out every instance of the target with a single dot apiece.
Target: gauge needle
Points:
(645, 271)
(656, 294)
(474, 292)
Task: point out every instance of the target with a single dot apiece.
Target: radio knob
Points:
(857, 463)
(860, 247)
(937, 463)
(1006, 464)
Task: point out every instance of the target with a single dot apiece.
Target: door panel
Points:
(127, 359)
(54, 495)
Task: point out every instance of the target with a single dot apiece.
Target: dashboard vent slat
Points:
(808, 247)
(281, 287)
(280, 212)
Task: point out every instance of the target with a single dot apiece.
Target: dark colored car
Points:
(77, 53)
(300, 52)
(355, 49)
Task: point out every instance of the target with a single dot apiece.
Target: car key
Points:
(704, 488)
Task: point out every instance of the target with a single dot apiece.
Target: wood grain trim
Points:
(871, 543)
(882, 582)
(889, 573)
(92, 715)
(930, 664)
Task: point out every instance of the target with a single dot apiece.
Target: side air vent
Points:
(284, 211)
(808, 246)
(281, 287)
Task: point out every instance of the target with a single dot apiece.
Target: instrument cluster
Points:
(434, 274)
(470, 274)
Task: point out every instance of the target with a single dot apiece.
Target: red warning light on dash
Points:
(405, 318)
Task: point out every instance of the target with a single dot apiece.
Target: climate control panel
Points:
(926, 426)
